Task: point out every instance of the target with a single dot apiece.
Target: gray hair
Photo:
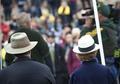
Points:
(23, 19)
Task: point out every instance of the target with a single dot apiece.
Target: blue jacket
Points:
(90, 72)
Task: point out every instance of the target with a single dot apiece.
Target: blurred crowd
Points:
(62, 22)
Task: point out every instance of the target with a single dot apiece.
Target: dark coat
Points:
(91, 72)
(26, 71)
(109, 36)
(60, 71)
(6, 3)
(39, 52)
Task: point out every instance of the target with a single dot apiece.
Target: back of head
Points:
(76, 32)
(103, 9)
(87, 57)
(86, 48)
(24, 20)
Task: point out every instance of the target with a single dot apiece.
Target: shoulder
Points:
(74, 78)
(45, 70)
(76, 73)
(102, 67)
(35, 31)
(29, 66)
(84, 31)
(4, 72)
(96, 68)
(32, 34)
(28, 30)
(40, 65)
(2, 77)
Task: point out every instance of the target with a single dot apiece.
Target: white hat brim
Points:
(11, 50)
(76, 50)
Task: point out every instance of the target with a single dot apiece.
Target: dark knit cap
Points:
(103, 9)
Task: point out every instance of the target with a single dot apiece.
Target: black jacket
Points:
(26, 71)
(59, 69)
(39, 52)
(60, 65)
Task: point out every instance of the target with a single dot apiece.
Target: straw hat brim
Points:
(11, 50)
(76, 50)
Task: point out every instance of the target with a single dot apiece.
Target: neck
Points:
(94, 60)
(23, 56)
(28, 54)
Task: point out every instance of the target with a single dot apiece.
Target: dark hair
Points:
(67, 25)
(68, 33)
(23, 54)
(50, 34)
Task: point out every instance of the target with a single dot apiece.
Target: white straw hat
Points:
(19, 44)
(86, 45)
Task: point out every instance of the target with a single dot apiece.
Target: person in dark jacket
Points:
(24, 70)
(90, 71)
(41, 50)
(109, 36)
(56, 60)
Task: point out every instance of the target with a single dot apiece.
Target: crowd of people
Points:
(57, 26)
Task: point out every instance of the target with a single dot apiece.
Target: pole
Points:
(98, 31)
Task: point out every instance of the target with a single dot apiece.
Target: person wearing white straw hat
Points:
(24, 70)
(90, 71)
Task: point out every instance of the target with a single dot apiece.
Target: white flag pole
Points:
(98, 31)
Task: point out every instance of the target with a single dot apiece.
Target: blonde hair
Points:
(76, 32)
(87, 57)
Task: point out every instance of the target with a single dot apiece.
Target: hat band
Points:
(87, 49)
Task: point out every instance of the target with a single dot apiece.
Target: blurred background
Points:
(62, 20)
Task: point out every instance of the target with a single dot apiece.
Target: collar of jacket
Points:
(21, 58)
(91, 61)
